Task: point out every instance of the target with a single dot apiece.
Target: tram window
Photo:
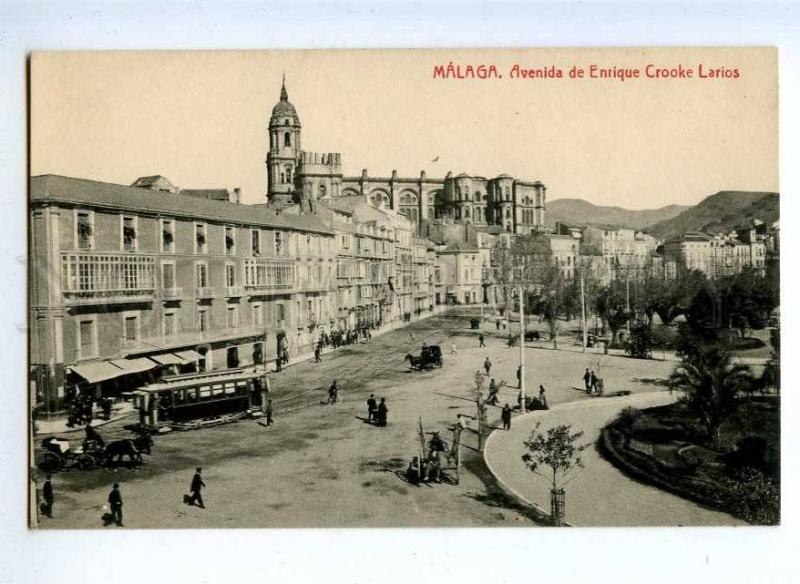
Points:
(204, 391)
(217, 389)
(230, 388)
(179, 396)
(191, 394)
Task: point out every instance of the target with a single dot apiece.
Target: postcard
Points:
(404, 288)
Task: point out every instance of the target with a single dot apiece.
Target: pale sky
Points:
(200, 119)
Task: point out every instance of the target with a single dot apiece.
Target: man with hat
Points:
(195, 488)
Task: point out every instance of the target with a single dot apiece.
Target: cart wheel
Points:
(49, 462)
(86, 462)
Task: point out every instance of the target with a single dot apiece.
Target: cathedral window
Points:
(321, 191)
(288, 175)
(287, 139)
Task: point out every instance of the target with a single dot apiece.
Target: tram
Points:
(180, 398)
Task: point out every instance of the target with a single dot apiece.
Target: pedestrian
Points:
(383, 412)
(115, 501)
(488, 366)
(542, 396)
(268, 412)
(195, 488)
(106, 405)
(453, 349)
(519, 400)
(481, 344)
(317, 352)
(461, 422)
(497, 324)
(505, 415)
(278, 364)
(264, 391)
(414, 472)
(492, 399)
(519, 376)
(593, 382)
(372, 407)
(333, 393)
(587, 380)
(47, 495)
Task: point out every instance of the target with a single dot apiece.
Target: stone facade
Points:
(294, 176)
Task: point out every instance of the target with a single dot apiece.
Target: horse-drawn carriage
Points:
(429, 358)
(57, 453)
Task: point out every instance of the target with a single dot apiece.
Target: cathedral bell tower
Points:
(283, 155)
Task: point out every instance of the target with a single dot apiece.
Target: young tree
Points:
(711, 382)
(554, 455)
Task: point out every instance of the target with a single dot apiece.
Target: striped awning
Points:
(168, 359)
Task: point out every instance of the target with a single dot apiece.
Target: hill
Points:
(721, 212)
(578, 211)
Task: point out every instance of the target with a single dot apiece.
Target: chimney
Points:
(237, 195)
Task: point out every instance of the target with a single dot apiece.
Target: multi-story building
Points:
(295, 176)
(125, 279)
(424, 257)
(692, 251)
(366, 263)
(462, 272)
(624, 249)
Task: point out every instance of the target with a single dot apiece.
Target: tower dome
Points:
(284, 110)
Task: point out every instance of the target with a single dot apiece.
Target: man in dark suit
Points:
(115, 501)
(195, 488)
(372, 407)
(47, 495)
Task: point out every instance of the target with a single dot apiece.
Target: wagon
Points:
(429, 358)
(58, 455)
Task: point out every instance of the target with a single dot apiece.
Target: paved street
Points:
(323, 466)
(599, 495)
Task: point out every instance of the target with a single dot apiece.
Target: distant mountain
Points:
(578, 211)
(721, 212)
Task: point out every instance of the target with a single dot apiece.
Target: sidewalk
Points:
(599, 494)
(46, 427)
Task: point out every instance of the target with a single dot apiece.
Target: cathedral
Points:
(499, 204)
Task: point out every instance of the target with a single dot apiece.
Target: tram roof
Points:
(195, 381)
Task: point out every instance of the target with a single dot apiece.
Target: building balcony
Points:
(188, 338)
(107, 278)
(270, 275)
(234, 291)
(172, 293)
(204, 292)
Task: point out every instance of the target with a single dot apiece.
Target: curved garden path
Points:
(599, 494)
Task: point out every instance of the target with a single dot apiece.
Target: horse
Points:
(415, 362)
(144, 443)
(121, 448)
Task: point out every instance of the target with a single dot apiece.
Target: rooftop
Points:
(91, 193)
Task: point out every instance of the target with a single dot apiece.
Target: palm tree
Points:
(711, 382)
